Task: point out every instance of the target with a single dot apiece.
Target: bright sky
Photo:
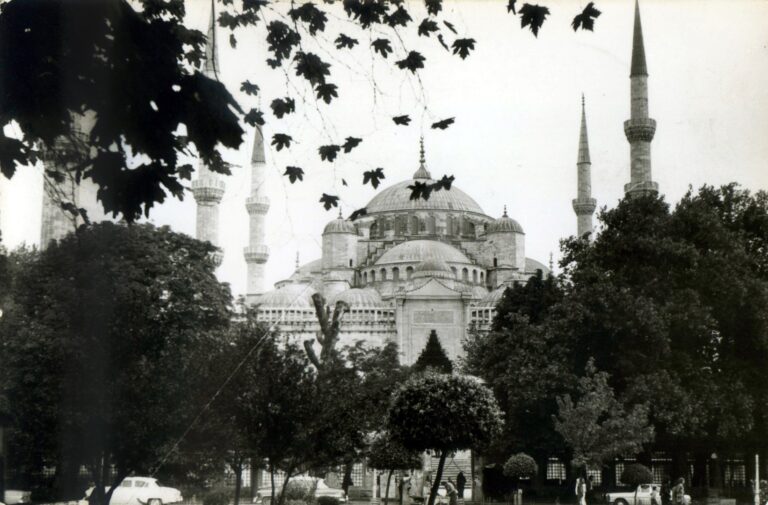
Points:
(516, 100)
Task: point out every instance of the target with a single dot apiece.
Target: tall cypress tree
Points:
(433, 357)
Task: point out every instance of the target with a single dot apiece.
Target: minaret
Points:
(640, 128)
(208, 188)
(257, 204)
(584, 205)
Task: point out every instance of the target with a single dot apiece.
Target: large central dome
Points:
(398, 197)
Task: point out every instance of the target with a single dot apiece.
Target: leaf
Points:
(232, 40)
(442, 41)
(351, 143)
(434, 6)
(254, 117)
(463, 46)
(444, 183)
(443, 124)
(310, 14)
(366, 12)
(420, 190)
(294, 174)
(326, 92)
(280, 140)
(399, 17)
(249, 88)
(450, 26)
(344, 182)
(402, 120)
(311, 67)
(329, 201)
(344, 41)
(382, 46)
(412, 62)
(374, 177)
(358, 214)
(329, 152)
(533, 16)
(281, 40)
(586, 19)
(511, 7)
(427, 26)
(282, 106)
(254, 5)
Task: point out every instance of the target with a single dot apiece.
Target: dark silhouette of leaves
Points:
(326, 92)
(249, 88)
(586, 19)
(254, 4)
(344, 182)
(280, 140)
(311, 67)
(450, 26)
(412, 62)
(344, 41)
(310, 14)
(281, 40)
(434, 6)
(463, 46)
(420, 190)
(232, 41)
(294, 174)
(442, 41)
(382, 46)
(427, 26)
(283, 106)
(511, 6)
(374, 177)
(402, 120)
(399, 17)
(329, 201)
(358, 214)
(254, 117)
(444, 183)
(351, 143)
(329, 152)
(442, 125)
(227, 20)
(533, 16)
(366, 12)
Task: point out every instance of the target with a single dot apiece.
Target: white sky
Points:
(516, 100)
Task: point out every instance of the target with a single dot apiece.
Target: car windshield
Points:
(321, 484)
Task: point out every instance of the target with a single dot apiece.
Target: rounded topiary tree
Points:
(636, 474)
(520, 466)
(388, 454)
(443, 414)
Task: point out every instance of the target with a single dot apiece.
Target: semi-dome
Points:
(398, 197)
(340, 225)
(416, 251)
(357, 297)
(504, 224)
(433, 267)
(290, 295)
(492, 298)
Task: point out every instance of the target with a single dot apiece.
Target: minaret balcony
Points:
(584, 206)
(641, 188)
(640, 129)
(256, 254)
(208, 190)
(257, 204)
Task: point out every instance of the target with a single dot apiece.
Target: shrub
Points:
(636, 474)
(520, 466)
(216, 496)
(327, 500)
(302, 490)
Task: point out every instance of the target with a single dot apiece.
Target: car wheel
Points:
(155, 501)
(619, 501)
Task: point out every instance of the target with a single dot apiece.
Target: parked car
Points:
(141, 491)
(14, 496)
(264, 493)
(643, 496)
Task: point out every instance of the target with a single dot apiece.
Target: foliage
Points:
(636, 474)
(300, 490)
(520, 465)
(216, 496)
(327, 500)
(101, 345)
(433, 357)
(389, 454)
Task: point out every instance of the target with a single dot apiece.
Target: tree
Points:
(389, 455)
(100, 345)
(461, 413)
(636, 474)
(597, 427)
(433, 357)
(520, 466)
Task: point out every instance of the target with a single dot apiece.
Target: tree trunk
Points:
(347, 477)
(438, 476)
(281, 498)
(386, 491)
(238, 481)
(272, 483)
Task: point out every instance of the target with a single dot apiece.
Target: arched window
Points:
(383, 273)
(374, 229)
(495, 262)
(365, 277)
(408, 272)
(350, 262)
(482, 277)
(464, 274)
(474, 276)
(423, 225)
(395, 274)
(455, 272)
(413, 227)
(430, 221)
(470, 228)
(373, 275)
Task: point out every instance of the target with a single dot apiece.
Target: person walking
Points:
(655, 495)
(581, 491)
(461, 483)
(452, 492)
(678, 492)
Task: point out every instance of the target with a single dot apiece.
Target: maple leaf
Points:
(399, 17)
(358, 214)
(281, 40)
(444, 183)
(366, 12)
(326, 91)
(254, 4)
(443, 124)
(420, 190)
(329, 152)
(426, 27)
(294, 174)
(463, 46)
(249, 88)
(329, 201)
(232, 41)
(254, 117)
(586, 19)
(442, 41)
(282, 106)
(450, 26)
(311, 67)
(351, 143)
(402, 120)
(533, 16)
(344, 182)
(412, 62)
(344, 41)
(382, 46)
(280, 140)
(374, 177)
(511, 6)
(310, 14)
(434, 6)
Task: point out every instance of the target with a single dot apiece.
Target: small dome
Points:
(433, 267)
(340, 225)
(531, 265)
(492, 298)
(504, 224)
(291, 295)
(357, 297)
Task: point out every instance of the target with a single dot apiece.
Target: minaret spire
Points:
(257, 204)
(584, 205)
(211, 63)
(422, 172)
(640, 128)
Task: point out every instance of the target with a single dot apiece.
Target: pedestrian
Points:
(655, 496)
(461, 483)
(452, 492)
(581, 491)
(678, 492)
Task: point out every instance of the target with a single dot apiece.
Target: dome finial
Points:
(505, 211)
(422, 172)
(297, 261)
(340, 217)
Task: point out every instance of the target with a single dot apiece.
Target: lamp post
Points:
(757, 479)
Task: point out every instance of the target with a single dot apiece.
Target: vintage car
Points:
(14, 496)
(264, 493)
(141, 491)
(643, 496)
